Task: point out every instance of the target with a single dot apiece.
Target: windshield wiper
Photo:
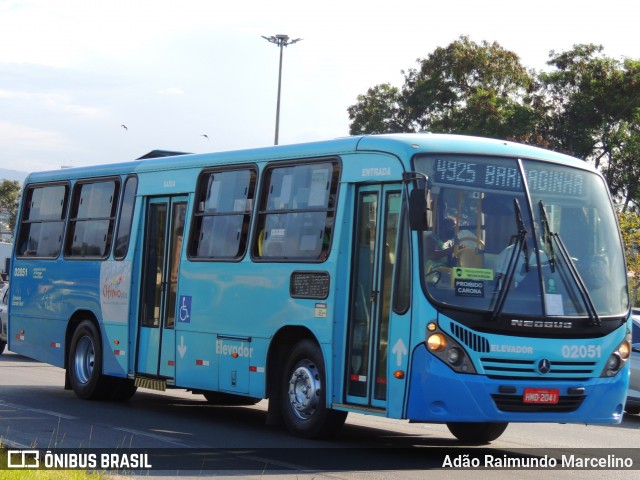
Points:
(519, 245)
(549, 239)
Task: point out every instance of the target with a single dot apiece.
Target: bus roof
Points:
(403, 145)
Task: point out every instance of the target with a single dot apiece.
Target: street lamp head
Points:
(281, 40)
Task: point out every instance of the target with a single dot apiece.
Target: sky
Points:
(72, 72)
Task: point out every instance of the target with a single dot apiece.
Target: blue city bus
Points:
(435, 278)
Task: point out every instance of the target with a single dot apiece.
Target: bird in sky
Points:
(205, 136)
(124, 126)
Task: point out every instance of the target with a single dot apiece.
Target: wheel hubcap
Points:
(84, 359)
(304, 390)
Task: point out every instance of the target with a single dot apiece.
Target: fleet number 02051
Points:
(582, 351)
(20, 271)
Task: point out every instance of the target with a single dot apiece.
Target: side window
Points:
(296, 215)
(42, 221)
(92, 219)
(126, 217)
(223, 214)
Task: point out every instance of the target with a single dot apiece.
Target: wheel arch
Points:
(75, 320)
(282, 342)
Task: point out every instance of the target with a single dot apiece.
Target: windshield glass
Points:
(491, 249)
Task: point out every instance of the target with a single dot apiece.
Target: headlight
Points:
(618, 357)
(437, 342)
(453, 356)
(447, 349)
(613, 363)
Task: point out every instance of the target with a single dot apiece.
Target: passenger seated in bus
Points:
(502, 262)
(439, 246)
(598, 280)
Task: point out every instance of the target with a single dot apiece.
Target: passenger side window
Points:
(223, 214)
(92, 219)
(42, 223)
(297, 211)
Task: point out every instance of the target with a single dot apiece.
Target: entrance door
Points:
(164, 227)
(378, 212)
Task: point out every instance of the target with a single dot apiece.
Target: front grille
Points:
(506, 368)
(514, 403)
(472, 340)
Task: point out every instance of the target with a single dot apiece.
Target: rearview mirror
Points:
(418, 211)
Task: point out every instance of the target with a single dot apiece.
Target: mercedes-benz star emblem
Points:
(544, 366)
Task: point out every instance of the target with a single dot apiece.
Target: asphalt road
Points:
(234, 442)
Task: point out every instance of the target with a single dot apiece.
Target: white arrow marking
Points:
(399, 349)
(182, 348)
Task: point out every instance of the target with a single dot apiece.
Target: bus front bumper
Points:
(438, 394)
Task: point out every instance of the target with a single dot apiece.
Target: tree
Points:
(470, 88)
(630, 228)
(378, 111)
(9, 197)
(589, 107)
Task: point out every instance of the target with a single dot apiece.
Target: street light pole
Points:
(281, 41)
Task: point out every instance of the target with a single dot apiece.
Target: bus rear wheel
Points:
(85, 363)
(477, 433)
(304, 405)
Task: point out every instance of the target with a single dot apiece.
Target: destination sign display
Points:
(505, 176)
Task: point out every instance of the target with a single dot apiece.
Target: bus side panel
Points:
(196, 365)
(44, 296)
(116, 349)
(39, 338)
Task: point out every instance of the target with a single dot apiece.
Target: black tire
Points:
(633, 410)
(227, 399)
(85, 363)
(303, 394)
(122, 389)
(3, 344)
(477, 433)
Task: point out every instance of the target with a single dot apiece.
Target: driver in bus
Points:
(439, 247)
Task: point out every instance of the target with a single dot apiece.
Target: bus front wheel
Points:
(477, 433)
(304, 406)
(85, 363)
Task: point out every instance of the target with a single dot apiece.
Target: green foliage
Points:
(9, 197)
(469, 88)
(590, 105)
(586, 105)
(630, 228)
(377, 112)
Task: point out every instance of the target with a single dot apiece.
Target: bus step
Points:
(151, 383)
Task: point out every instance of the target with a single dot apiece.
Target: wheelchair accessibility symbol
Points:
(184, 310)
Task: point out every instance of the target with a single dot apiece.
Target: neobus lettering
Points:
(540, 324)
(240, 350)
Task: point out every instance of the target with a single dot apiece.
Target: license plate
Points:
(546, 396)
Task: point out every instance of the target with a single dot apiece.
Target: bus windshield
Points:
(546, 244)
